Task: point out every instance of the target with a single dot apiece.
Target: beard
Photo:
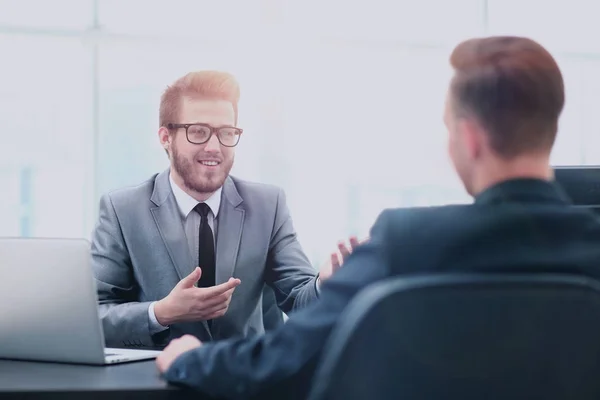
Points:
(197, 178)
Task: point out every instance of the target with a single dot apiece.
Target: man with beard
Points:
(190, 250)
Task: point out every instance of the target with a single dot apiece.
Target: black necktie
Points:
(206, 248)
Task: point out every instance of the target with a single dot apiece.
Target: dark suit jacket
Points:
(517, 226)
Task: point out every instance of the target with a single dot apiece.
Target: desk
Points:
(37, 380)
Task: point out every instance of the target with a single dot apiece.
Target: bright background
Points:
(341, 100)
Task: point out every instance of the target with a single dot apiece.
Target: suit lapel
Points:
(168, 220)
(229, 232)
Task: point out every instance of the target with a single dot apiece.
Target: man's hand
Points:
(337, 258)
(188, 303)
(176, 348)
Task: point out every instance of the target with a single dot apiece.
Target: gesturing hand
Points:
(337, 258)
(187, 302)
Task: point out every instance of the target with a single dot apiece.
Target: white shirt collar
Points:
(186, 203)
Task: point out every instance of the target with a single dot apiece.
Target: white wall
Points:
(341, 100)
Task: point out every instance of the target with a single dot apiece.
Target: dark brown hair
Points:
(513, 87)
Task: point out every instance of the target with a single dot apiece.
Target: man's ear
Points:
(473, 138)
(164, 136)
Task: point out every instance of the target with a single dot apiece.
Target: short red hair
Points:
(214, 85)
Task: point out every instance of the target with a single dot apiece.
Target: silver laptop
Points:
(48, 304)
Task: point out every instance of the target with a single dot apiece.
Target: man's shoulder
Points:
(132, 194)
(420, 214)
(413, 238)
(249, 190)
(416, 223)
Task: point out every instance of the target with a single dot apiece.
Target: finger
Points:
(213, 312)
(223, 298)
(344, 251)
(218, 313)
(335, 261)
(192, 278)
(354, 243)
(161, 361)
(220, 289)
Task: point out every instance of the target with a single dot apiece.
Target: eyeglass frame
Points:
(213, 131)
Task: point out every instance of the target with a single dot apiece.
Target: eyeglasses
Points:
(201, 133)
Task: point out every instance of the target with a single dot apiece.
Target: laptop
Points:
(48, 304)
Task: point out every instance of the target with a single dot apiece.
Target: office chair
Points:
(466, 337)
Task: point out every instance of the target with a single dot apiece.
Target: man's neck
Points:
(519, 168)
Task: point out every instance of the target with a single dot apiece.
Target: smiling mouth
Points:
(210, 163)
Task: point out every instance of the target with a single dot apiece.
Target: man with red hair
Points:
(190, 250)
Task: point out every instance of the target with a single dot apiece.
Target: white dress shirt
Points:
(191, 226)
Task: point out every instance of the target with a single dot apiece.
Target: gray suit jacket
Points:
(139, 253)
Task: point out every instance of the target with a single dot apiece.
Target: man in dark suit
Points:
(502, 114)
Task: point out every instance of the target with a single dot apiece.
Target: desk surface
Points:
(24, 379)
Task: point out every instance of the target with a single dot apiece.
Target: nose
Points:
(213, 145)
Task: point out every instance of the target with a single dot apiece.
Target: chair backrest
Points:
(466, 337)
